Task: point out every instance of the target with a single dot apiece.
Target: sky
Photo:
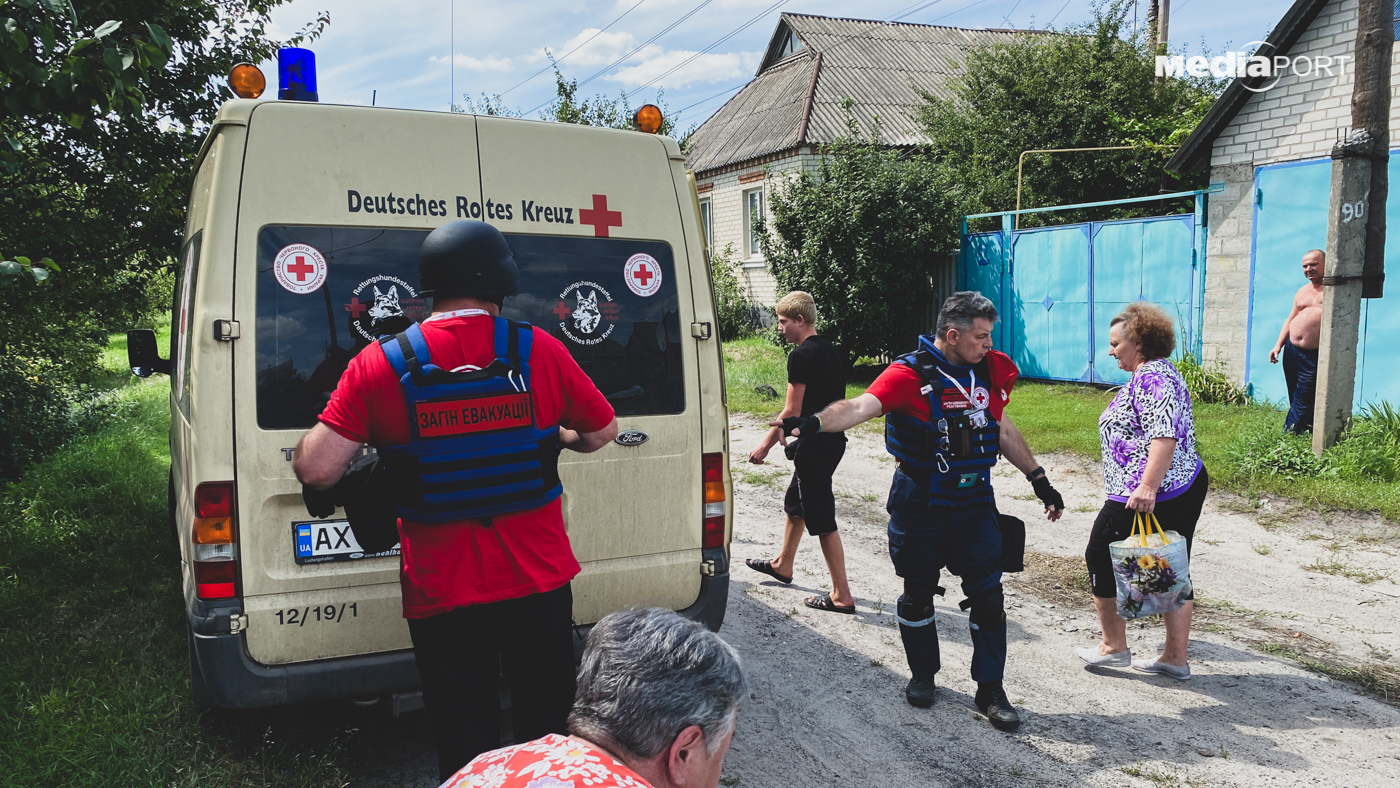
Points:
(423, 54)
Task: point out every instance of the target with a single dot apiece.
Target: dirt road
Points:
(829, 707)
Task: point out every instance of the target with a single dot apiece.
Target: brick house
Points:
(1267, 149)
(775, 126)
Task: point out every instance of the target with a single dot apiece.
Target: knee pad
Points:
(916, 604)
(987, 609)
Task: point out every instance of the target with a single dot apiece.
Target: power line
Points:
(556, 61)
(1057, 13)
(959, 11)
(636, 49)
(1007, 19)
(736, 31)
(913, 9)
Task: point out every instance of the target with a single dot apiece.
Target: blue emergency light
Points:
(296, 74)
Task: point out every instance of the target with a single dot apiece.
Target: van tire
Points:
(199, 691)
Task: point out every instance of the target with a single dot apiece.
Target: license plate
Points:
(324, 541)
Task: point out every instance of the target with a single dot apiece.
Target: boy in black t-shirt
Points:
(815, 379)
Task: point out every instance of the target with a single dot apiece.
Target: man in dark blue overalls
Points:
(945, 424)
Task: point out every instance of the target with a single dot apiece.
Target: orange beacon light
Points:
(648, 118)
(247, 81)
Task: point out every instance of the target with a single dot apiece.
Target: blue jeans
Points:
(923, 540)
(1300, 372)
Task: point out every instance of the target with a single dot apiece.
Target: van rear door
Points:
(594, 221)
(342, 196)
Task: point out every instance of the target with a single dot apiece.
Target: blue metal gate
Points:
(1057, 287)
(1290, 218)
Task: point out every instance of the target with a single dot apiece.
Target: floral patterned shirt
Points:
(551, 762)
(1154, 404)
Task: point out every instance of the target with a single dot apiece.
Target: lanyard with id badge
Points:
(959, 428)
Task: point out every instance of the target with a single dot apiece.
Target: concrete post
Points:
(1341, 302)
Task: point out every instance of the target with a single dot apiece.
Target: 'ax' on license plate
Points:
(321, 541)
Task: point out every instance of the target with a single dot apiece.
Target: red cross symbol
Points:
(561, 311)
(301, 268)
(643, 275)
(355, 308)
(599, 216)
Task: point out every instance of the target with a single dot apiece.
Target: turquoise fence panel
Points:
(983, 268)
(1290, 218)
(1049, 310)
(1057, 287)
(1142, 260)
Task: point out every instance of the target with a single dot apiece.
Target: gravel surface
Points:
(829, 689)
(829, 701)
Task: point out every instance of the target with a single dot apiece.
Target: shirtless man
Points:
(1298, 341)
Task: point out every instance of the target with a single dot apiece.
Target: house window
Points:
(753, 221)
(706, 224)
(791, 43)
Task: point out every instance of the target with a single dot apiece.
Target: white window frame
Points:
(752, 255)
(707, 223)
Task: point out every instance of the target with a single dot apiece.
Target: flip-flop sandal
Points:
(824, 602)
(766, 567)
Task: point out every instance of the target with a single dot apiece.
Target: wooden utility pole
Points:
(1164, 13)
(1356, 226)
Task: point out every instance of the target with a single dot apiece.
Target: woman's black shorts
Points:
(1115, 522)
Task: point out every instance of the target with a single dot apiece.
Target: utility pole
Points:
(1356, 225)
(1163, 18)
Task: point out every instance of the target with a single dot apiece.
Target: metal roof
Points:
(796, 99)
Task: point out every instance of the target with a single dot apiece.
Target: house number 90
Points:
(1353, 210)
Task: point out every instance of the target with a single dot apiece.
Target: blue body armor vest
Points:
(957, 447)
(474, 448)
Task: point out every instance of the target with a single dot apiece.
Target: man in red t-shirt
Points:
(486, 591)
(945, 424)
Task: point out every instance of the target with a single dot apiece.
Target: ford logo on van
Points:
(631, 438)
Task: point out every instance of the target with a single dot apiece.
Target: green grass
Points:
(1241, 445)
(94, 684)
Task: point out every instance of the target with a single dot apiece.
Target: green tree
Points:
(612, 113)
(100, 130)
(861, 233)
(1089, 86)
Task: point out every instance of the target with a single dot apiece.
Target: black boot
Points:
(991, 701)
(919, 692)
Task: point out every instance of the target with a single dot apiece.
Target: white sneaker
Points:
(1178, 672)
(1091, 655)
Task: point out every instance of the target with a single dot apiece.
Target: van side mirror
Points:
(142, 355)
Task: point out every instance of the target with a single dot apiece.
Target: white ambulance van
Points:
(301, 245)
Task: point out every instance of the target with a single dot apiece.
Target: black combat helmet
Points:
(467, 258)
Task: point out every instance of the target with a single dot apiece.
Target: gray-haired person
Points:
(944, 422)
(657, 701)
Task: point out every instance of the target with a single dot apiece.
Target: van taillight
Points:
(215, 543)
(712, 531)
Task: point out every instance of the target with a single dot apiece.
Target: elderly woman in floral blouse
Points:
(1149, 465)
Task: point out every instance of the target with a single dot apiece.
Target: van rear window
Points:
(325, 293)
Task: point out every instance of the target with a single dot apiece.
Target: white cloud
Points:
(602, 50)
(711, 67)
(488, 63)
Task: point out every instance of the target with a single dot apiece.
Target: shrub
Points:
(1209, 385)
(1369, 450)
(737, 318)
(862, 232)
(36, 412)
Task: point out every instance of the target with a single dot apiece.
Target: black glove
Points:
(1048, 495)
(320, 503)
(810, 425)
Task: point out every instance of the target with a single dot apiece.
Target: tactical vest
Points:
(956, 450)
(474, 449)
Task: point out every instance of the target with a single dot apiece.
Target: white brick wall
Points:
(727, 218)
(1230, 216)
(1297, 119)
(1311, 108)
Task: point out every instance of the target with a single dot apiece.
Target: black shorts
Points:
(1115, 522)
(809, 495)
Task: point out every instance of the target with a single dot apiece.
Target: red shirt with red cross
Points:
(899, 389)
(460, 563)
